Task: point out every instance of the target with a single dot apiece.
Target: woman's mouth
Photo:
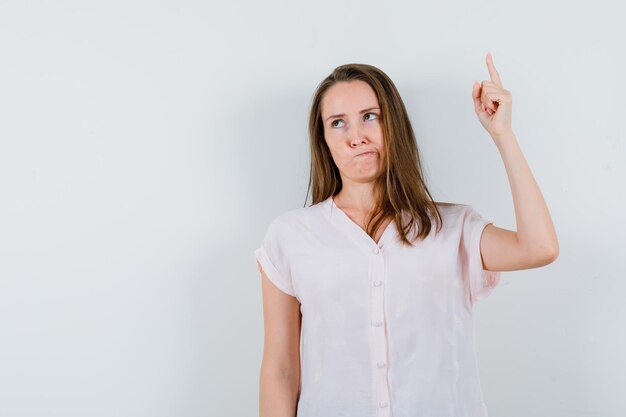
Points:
(366, 154)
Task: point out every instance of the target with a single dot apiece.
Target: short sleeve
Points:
(480, 282)
(273, 258)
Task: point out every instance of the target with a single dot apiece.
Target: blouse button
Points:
(383, 404)
(378, 283)
(378, 323)
(376, 251)
(381, 364)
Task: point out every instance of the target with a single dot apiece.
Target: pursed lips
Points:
(366, 153)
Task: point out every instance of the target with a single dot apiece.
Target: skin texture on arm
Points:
(280, 368)
(535, 242)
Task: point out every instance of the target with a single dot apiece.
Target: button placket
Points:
(380, 346)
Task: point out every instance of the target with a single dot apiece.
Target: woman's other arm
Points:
(534, 243)
(280, 368)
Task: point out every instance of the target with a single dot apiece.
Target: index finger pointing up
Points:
(495, 77)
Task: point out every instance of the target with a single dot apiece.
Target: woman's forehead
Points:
(349, 97)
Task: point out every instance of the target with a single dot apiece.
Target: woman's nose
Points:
(356, 133)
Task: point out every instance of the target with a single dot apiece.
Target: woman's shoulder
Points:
(454, 215)
(451, 209)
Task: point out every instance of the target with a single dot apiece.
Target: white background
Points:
(145, 146)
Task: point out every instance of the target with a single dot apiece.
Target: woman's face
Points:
(351, 116)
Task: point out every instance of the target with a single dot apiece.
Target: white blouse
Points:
(387, 329)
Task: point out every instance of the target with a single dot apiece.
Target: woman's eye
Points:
(333, 124)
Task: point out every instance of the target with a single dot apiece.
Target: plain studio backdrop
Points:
(145, 146)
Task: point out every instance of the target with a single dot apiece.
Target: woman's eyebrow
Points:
(343, 114)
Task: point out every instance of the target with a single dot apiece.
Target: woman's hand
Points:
(492, 103)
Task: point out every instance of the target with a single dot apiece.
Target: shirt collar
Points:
(348, 227)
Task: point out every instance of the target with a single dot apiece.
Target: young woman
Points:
(375, 278)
